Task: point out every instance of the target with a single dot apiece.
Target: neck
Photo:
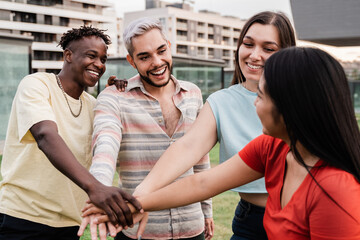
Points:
(158, 92)
(250, 85)
(309, 158)
(70, 86)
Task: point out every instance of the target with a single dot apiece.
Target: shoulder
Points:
(89, 98)
(189, 86)
(268, 143)
(110, 91)
(233, 94)
(334, 181)
(37, 78)
(334, 201)
(36, 85)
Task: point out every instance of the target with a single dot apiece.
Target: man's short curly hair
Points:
(79, 33)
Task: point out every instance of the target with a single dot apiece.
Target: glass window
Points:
(14, 65)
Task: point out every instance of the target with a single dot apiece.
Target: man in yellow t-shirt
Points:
(48, 148)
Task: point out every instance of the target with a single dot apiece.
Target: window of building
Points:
(45, 55)
(180, 20)
(45, 2)
(201, 51)
(181, 33)
(235, 41)
(64, 21)
(86, 6)
(226, 53)
(211, 53)
(48, 19)
(24, 17)
(87, 22)
(225, 40)
(201, 35)
(182, 49)
(44, 37)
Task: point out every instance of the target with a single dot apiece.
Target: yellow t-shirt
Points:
(32, 188)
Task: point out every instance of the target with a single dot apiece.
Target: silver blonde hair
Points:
(139, 27)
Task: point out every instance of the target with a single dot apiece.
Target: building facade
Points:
(47, 20)
(330, 22)
(204, 35)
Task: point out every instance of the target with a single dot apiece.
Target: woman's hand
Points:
(98, 217)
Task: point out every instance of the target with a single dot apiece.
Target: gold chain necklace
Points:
(67, 101)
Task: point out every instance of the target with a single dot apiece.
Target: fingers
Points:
(142, 223)
(102, 231)
(120, 213)
(91, 210)
(121, 208)
(93, 228)
(83, 226)
(120, 84)
(209, 228)
(102, 219)
(112, 229)
(111, 80)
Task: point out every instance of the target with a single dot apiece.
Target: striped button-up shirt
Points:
(129, 136)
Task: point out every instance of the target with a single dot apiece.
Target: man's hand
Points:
(113, 201)
(209, 228)
(120, 84)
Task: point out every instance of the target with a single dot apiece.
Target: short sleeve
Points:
(32, 104)
(253, 154)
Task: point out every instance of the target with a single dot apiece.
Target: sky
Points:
(238, 8)
(242, 9)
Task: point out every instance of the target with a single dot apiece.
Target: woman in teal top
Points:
(229, 117)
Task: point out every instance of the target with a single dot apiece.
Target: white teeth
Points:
(92, 72)
(159, 72)
(253, 66)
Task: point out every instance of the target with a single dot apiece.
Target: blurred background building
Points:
(334, 23)
(47, 20)
(330, 22)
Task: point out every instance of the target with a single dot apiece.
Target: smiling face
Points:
(271, 120)
(87, 57)
(259, 43)
(152, 58)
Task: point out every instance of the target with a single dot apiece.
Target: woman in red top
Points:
(309, 153)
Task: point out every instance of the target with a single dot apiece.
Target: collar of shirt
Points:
(135, 82)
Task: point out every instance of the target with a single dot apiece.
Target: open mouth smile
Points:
(254, 66)
(93, 73)
(158, 72)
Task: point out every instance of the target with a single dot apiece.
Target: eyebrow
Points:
(145, 53)
(258, 87)
(267, 42)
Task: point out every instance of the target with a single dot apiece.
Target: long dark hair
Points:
(285, 30)
(310, 90)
